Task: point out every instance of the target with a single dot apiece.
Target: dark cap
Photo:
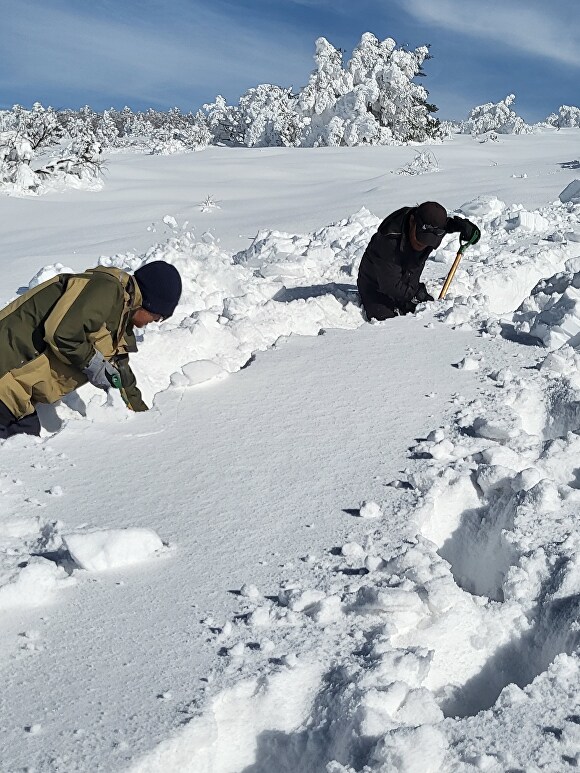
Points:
(430, 223)
(160, 285)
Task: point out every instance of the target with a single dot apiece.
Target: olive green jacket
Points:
(49, 334)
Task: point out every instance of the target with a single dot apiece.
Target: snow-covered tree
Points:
(365, 56)
(223, 121)
(16, 153)
(567, 116)
(497, 117)
(327, 83)
(269, 116)
(40, 126)
(373, 101)
(402, 105)
(108, 130)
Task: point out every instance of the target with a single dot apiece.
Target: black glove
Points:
(408, 308)
(468, 231)
(101, 373)
(422, 295)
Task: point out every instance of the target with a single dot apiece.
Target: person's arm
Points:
(129, 383)
(468, 231)
(401, 286)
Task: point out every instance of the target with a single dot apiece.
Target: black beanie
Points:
(160, 285)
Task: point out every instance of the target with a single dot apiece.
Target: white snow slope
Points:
(330, 547)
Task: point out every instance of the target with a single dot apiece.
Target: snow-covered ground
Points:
(330, 546)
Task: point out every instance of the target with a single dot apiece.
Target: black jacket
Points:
(390, 267)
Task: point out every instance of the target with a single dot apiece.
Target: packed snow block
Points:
(501, 428)
(112, 548)
(202, 370)
(370, 510)
(530, 221)
(468, 363)
(411, 750)
(559, 323)
(484, 208)
(571, 193)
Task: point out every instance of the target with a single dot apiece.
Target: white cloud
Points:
(548, 30)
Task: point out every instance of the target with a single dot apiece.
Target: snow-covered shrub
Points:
(497, 117)
(15, 156)
(151, 131)
(81, 159)
(422, 163)
(488, 137)
(209, 204)
(223, 122)
(567, 116)
(178, 132)
(448, 128)
(40, 126)
(24, 133)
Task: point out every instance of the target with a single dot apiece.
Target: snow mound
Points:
(47, 272)
(33, 585)
(112, 548)
(552, 312)
(484, 209)
(234, 306)
(330, 253)
(265, 708)
(518, 249)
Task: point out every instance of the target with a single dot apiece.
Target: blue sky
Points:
(161, 53)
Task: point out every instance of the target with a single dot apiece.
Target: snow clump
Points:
(100, 550)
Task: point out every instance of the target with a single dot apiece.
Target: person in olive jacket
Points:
(74, 329)
(390, 270)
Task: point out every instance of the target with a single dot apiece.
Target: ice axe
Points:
(462, 247)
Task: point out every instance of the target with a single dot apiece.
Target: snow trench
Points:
(472, 603)
(389, 648)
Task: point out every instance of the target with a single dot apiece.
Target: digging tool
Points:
(117, 384)
(462, 247)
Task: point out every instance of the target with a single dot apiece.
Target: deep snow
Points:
(356, 551)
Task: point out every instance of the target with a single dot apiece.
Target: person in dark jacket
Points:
(390, 270)
(74, 329)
